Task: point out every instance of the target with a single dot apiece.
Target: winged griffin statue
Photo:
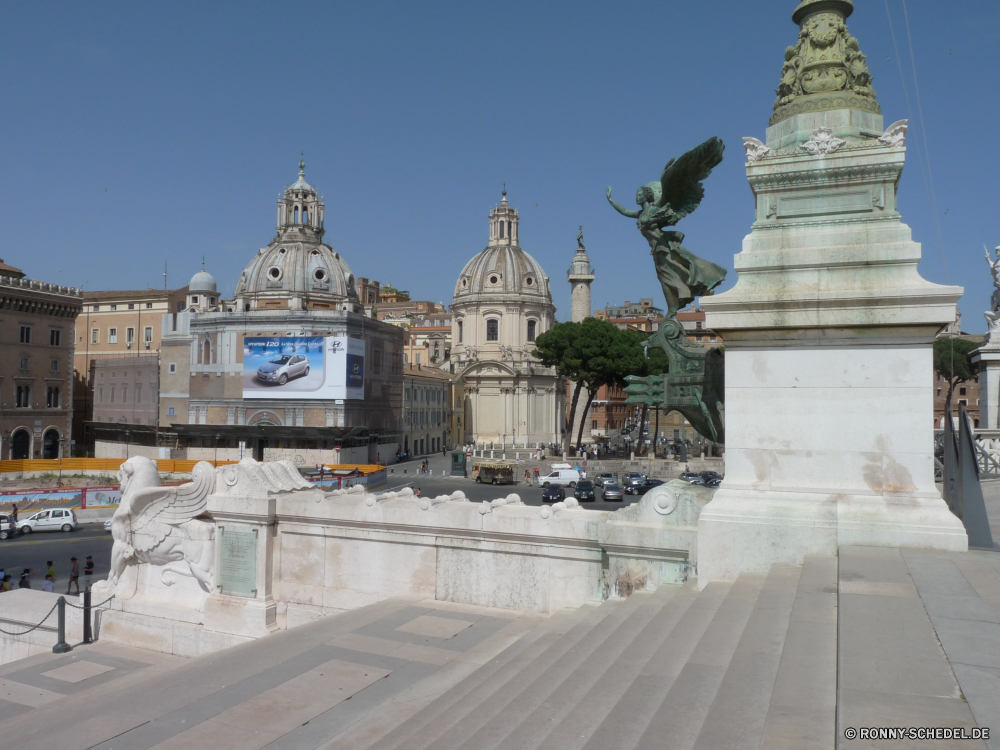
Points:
(694, 385)
(161, 526)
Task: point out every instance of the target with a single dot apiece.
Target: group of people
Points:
(27, 575)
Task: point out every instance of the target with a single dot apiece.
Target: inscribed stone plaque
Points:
(238, 561)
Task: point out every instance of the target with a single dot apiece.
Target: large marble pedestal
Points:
(829, 375)
(988, 359)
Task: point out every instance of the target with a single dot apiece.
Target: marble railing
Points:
(40, 286)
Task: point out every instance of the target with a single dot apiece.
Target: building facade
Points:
(427, 399)
(126, 390)
(297, 303)
(502, 303)
(37, 323)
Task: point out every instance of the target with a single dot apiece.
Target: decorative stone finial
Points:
(826, 68)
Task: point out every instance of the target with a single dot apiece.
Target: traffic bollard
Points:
(87, 635)
(61, 647)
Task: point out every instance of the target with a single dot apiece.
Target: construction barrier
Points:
(108, 465)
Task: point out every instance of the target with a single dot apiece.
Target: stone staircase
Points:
(744, 665)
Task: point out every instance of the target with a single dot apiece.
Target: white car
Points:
(561, 477)
(57, 519)
(107, 526)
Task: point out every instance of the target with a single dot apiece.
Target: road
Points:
(34, 550)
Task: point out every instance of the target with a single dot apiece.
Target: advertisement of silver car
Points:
(304, 367)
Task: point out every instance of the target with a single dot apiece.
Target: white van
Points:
(563, 477)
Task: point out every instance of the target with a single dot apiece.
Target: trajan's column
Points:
(580, 276)
(828, 331)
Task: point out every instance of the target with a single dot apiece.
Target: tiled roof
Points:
(6, 270)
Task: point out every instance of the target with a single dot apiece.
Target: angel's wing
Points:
(173, 505)
(680, 183)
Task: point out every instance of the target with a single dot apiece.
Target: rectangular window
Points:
(55, 337)
(961, 391)
(24, 363)
(95, 335)
(23, 397)
(147, 334)
(112, 335)
(593, 425)
(170, 411)
(54, 365)
(138, 393)
(114, 307)
(416, 359)
(124, 394)
(492, 330)
(112, 394)
(131, 305)
(531, 330)
(129, 336)
(180, 307)
(963, 401)
(172, 367)
(97, 308)
(100, 395)
(149, 305)
(52, 397)
(25, 334)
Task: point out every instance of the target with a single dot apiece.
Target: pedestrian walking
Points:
(25, 581)
(74, 575)
(88, 571)
(418, 492)
(5, 583)
(47, 585)
(13, 514)
(51, 570)
(378, 458)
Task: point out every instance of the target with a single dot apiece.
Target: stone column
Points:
(829, 367)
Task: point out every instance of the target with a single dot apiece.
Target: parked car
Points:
(710, 475)
(605, 478)
(713, 483)
(643, 488)
(612, 491)
(7, 529)
(57, 519)
(553, 493)
(564, 477)
(692, 477)
(282, 369)
(585, 491)
(107, 525)
(633, 479)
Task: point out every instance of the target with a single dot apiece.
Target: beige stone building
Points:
(427, 407)
(36, 365)
(502, 303)
(294, 298)
(126, 390)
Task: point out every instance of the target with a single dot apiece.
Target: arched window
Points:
(501, 230)
(460, 331)
(531, 330)
(305, 215)
(508, 230)
(208, 353)
(493, 330)
(50, 443)
(20, 444)
(296, 214)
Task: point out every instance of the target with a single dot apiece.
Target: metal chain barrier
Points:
(77, 606)
(7, 632)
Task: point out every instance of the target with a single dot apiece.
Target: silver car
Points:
(612, 491)
(282, 369)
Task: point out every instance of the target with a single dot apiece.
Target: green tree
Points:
(951, 360)
(623, 357)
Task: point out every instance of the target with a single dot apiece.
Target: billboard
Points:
(304, 367)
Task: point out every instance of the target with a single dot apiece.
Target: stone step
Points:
(544, 652)
(803, 709)
(892, 670)
(558, 690)
(735, 719)
(620, 724)
(405, 721)
(675, 725)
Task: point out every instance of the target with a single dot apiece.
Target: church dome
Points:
(298, 269)
(202, 281)
(503, 268)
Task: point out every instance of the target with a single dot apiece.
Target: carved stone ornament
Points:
(822, 142)
(756, 150)
(895, 135)
(506, 352)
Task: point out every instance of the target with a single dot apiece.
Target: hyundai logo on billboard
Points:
(355, 371)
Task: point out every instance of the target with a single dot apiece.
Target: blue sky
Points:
(138, 133)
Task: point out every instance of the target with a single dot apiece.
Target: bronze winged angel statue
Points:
(679, 192)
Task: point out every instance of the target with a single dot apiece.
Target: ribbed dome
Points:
(503, 270)
(300, 269)
(202, 281)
